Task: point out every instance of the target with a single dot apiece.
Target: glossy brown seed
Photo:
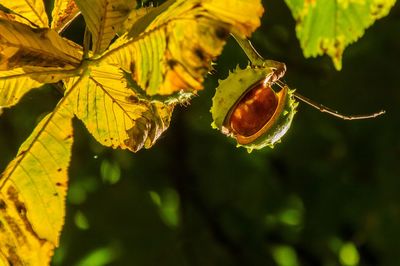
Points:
(254, 110)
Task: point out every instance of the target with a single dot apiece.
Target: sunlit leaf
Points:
(179, 41)
(32, 10)
(17, 82)
(63, 13)
(13, 86)
(327, 27)
(114, 114)
(21, 45)
(12, 17)
(103, 18)
(32, 192)
(133, 17)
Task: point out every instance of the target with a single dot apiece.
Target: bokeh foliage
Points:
(327, 195)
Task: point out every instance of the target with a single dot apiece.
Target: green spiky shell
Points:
(231, 90)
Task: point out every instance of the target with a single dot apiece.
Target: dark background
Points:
(327, 195)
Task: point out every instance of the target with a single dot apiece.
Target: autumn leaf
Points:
(114, 114)
(15, 83)
(31, 12)
(133, 17)
(103, 18)
(31, 57)
(64, 12)
(21, 45)
(179, 41)
(328, 27)
(32, 192)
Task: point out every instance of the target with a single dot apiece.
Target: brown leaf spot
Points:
(322, 47)
(172, 63)
(199, 53)
(12, 257)
(198, 5)
(21, 209)
(132, 99)
(337, 44)
(16, 230)
(3, 205)
(221, 33)
(132, 67)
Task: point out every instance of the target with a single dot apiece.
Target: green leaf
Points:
(32, 192)
(328, 27)
(103, 18)
(114, 114)
(179, 42)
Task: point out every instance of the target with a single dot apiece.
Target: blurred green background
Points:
(327, 195)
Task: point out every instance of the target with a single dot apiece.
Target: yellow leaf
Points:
(103, 18)
(171, 48)
(12, 17)
(64, 12)
(32, 192)
(133, 17)
(32, 10)
(114, 114)
(14, 85)
(17, 82)
(21, 45)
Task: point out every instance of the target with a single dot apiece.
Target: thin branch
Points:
(324, 109)
(335, 113)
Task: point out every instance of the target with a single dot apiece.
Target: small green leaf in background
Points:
(348, 255)
(101, 256)
(168, 204)
(81, 221)
(285, 256)
(110, 172)
(327, 27)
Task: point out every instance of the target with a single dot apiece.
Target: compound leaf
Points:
(114, 114)
(171, 48)
(32, 11)
(103, 18)
(32, 192)
(327, 27)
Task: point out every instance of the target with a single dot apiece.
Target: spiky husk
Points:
(230, 91)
